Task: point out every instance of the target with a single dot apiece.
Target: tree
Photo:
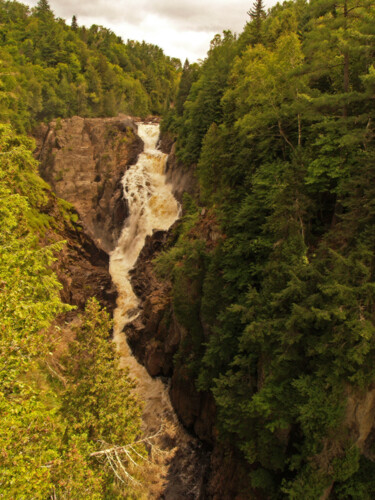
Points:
(257, 14)
(74, 24)
(43, 10)
(99, 396)
(189, 76)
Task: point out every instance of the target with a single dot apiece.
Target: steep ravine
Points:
(69, 151)
(155, 336)
(152, 207)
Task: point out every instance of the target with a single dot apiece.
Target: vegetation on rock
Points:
(279, 123)
(56, 411)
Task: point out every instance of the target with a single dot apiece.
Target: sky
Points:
(182, 28)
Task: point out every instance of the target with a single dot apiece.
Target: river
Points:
(152, 206)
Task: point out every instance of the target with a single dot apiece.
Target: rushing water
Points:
(152, 206)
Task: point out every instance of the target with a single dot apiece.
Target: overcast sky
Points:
(182, 28)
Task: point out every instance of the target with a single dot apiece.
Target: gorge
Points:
(243, 265)
(183, 461)
(152, 207)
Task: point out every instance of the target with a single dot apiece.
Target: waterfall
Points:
(151, 206)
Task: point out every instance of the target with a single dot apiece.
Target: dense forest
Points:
(278, 125)
(62, 402)
(50, 70)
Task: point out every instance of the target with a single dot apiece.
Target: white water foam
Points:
(152, 206)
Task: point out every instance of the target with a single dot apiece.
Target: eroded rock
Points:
(84, 159)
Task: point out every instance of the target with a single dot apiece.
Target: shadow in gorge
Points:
(188, 470)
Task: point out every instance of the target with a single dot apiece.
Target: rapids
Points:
(152, 206)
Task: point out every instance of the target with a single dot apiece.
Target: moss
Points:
(59, 176)
(58, 125)
(68, 213)
(39, 222)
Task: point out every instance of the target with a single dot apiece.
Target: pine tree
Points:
(257, 14)
(188, 77)
(74, 24)
(43, 9)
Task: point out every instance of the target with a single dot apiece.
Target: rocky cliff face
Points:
(155, 337)
(182, 179)
(360, 420)
(84, 159)
(81, 267)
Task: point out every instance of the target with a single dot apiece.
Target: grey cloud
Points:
(195, 15)
(203, 16)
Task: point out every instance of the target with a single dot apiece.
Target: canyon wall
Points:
(182, 178)
(84, 159)
(81, 267)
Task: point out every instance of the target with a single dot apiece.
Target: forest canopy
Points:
(278, 125)
(49, 69)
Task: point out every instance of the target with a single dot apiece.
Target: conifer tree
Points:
(257, 14)
(188, 77)
(43, 9)
(74, 24)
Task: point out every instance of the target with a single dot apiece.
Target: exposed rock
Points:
(84, 159)
(183, 179)
(166, 142)
(81, 267)
(229, 477)
(196, 410)
(153, 337)
(360, 419)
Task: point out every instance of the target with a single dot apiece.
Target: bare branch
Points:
(122, 449)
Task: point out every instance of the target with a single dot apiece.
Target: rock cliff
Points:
(182, 179)
(81, 267)
(84, 159)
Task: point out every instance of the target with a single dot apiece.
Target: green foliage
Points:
(29, 302)
(98, 397)
(284, 148)
(202, 107)
(51, 423)
(189, 75)
(360, 485)
(50, 70)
